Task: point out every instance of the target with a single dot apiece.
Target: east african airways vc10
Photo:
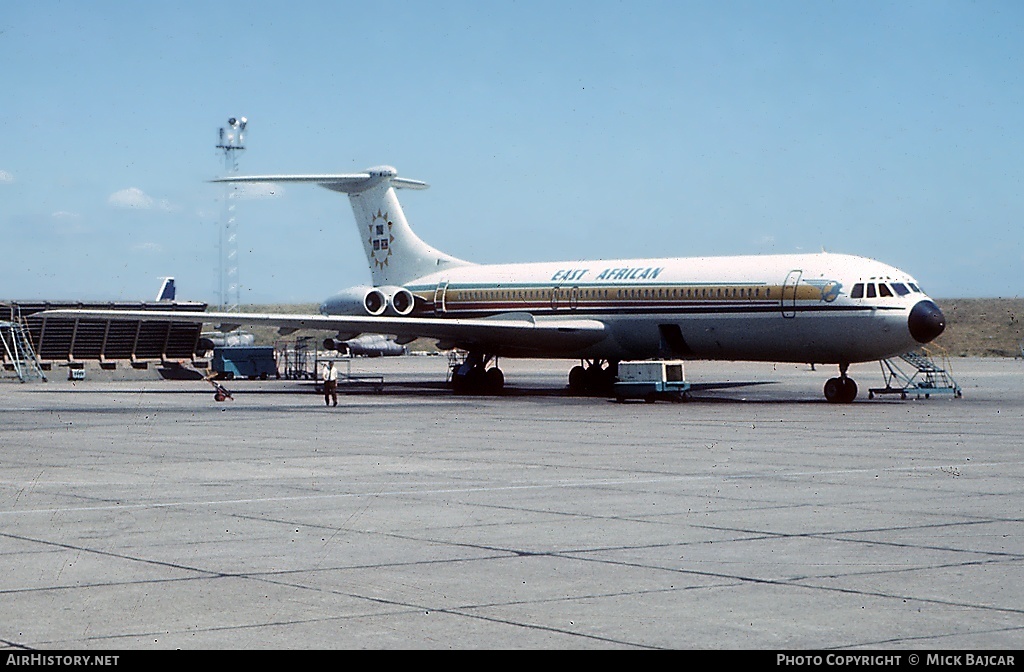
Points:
(808, 308)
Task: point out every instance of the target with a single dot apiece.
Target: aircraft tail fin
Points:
(396, 255)
(166, 292)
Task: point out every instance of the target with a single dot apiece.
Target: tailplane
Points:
(395, 254)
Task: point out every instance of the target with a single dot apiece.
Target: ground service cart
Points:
(651, 380)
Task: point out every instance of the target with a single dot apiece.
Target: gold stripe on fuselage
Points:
(500, 299)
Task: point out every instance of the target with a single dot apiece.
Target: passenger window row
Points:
(862, 290)
(629, 293)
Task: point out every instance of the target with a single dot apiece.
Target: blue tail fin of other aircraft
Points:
(166, 292)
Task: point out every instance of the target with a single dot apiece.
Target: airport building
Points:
(109, 341)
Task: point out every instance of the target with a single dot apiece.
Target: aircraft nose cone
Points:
(926, 321)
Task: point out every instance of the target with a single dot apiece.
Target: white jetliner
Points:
(808, 308)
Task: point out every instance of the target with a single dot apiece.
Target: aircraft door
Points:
(442, 289)
(574, 298)
(789, 290)
(554, 297)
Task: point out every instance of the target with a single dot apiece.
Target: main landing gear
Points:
(593, 378)
(473, 377)
(841, 390)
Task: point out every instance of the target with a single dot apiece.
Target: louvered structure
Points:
(71, 340)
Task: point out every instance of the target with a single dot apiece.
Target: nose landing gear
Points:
(841, 390)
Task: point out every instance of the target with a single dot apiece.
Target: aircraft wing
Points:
(521, 332)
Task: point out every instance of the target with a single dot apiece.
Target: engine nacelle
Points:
(402, 301)
(373, 301)
(335, 344)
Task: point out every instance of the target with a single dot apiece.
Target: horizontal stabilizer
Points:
(350, 183)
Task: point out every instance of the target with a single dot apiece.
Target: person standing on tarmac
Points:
(330, 384)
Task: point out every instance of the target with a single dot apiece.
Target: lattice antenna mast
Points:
(232, 143)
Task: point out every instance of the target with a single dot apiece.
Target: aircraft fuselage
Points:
(786, 308)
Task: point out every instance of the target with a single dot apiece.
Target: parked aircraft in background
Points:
(367, 345)
(808, 308)
(167, 291)
(209, 340)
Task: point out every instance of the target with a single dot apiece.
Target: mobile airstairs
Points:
(919, 375)
(19, 355)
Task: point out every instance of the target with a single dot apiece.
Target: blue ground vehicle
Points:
(252, 362)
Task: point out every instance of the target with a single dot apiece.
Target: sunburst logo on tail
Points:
(381, 239)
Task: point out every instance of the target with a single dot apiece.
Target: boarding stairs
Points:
(19, 354)
(919, 375)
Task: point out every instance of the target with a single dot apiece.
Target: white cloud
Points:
(148, 248)
(6, 177)
(132, 197)
(137, 199)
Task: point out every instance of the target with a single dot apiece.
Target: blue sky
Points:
(547, 130)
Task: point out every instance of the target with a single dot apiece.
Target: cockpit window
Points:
(883, 289)
(900, 288)
(914, 287)
(871, 290)
(858, 291)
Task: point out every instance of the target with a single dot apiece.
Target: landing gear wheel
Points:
(840, 390)
(577, 380)
(469, 381)
(494, 380)
(594, 379)
(849, 391)
(477, 380)
(599, 381)
(833, 390)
